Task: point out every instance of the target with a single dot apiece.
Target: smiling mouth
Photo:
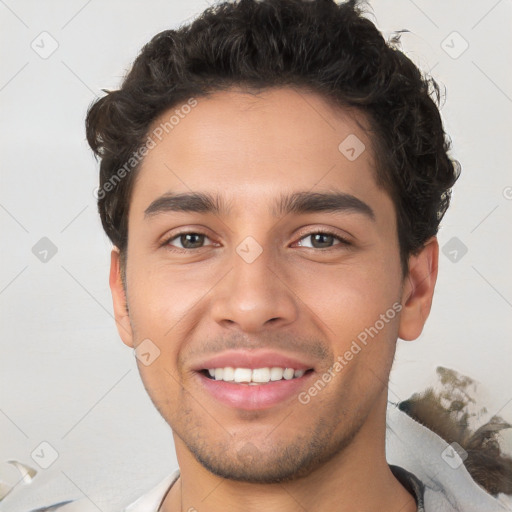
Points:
(253, 376)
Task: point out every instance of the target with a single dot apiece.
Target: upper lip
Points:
(252, 359)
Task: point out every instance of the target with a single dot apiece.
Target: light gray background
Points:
(66, 378)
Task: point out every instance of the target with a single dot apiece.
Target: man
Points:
(272, 179)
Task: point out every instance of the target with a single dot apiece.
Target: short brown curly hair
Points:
(319, 45)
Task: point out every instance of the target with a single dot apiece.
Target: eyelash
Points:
(342, 241)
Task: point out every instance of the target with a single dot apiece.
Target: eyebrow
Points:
(298, 202)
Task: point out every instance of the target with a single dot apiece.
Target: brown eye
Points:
(188, 241)
(321, 240)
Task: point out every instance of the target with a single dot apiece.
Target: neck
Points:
(359, 475)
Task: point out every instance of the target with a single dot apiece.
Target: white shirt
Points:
(151, 501)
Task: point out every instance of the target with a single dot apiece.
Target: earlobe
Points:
(418, 290)
(121, 314)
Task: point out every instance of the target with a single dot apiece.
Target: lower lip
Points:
(248, 397)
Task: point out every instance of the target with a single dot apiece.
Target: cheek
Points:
(358, 311)
(162, 385)
(162, 297)
(346, 299)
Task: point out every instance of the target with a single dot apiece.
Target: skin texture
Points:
(298, 298)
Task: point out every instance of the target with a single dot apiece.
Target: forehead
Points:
(258, 144)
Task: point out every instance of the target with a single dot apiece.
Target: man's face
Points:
(254, 285)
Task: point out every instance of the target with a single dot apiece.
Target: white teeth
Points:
(254, 376)
(261, 375)
(243, 375)
(276, 373)
(288, 373)
(229, 374)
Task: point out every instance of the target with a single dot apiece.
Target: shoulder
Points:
(437, 465)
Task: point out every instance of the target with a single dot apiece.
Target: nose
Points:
(254, 296)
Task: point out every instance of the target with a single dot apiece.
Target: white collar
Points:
(152, 500)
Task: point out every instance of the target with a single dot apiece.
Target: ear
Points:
(418, 290)
(121, 314)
